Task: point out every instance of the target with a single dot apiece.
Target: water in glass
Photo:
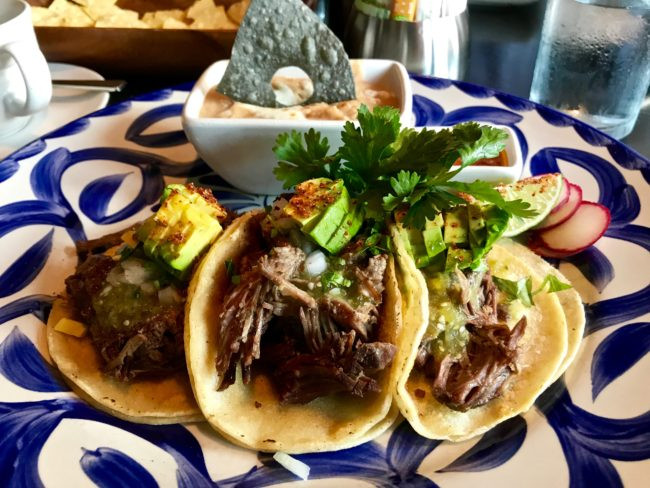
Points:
(594, 61)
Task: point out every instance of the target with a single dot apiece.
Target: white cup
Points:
(25, 82)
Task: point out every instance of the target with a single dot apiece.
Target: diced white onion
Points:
(316, 263)
(168, 296)
(134, 272)
(115, 277)
(300, 469)
(307, 246)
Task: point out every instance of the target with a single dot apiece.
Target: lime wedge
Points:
(541, 192)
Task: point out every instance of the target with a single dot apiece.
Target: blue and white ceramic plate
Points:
(101, 173)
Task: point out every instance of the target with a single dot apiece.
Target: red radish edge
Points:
(538, 247)
(584, 228)
(564, 195)
(562, 213)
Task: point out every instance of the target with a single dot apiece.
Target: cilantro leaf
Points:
(231, 272)
(484, 191)
(298, 161)
(405, 182)
(403, 186)
(496, 222)
(488, 145)
(554, 285)
(364, 146)
(522, 289)
(516, 290)
(334, 279)
(423, 151)
(428, 206)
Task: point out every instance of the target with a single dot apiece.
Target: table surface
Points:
(503, 42)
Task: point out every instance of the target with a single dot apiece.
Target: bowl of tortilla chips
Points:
(137, 37)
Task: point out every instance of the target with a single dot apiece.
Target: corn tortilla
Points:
(252, 415)
(542, 352)
(164, 400)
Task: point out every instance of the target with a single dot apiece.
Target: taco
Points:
(290, 347)
(116, 335)
(488, 335)
(570, 300)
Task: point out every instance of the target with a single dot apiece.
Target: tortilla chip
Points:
(207, 16)
(279, 33)
(157, 19)
(237, 11)
(71, 14)
(45, 17)
(121, 18)
(174, 24)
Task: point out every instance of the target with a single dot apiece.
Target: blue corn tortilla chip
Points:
(279, 33)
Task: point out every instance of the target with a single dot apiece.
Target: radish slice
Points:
(579, 232)
(562, 213)
(540, 249)
(564, 194)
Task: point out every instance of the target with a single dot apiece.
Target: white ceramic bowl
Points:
(240, 150)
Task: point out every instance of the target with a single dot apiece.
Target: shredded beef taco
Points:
(487, 337)
(117, 332)
(574, 311)
(292, 327)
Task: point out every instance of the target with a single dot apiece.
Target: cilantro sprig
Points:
(522, 289)
(391, 168)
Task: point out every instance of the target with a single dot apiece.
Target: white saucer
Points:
(66, 106)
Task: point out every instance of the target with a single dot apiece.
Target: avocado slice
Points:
(434, 243)
(457, 256)
(323, 229)
(184, 225)
(312, 198)
(456, 227)
(347, 230)
(477, 230)
(414, 243)
(325, 212)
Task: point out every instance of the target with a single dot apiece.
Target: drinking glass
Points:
(594, 61)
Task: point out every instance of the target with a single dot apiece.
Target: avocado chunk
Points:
(347, 230)
(184, 225)
(325, 212)
(456, 227)
(457, 256)
(432, 234)
(477, 225)
(312, 198)
(414, 243)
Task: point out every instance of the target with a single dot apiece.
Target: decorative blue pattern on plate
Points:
(106, 170)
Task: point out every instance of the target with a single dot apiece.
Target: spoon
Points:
(91, 85)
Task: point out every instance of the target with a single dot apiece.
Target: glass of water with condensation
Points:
(594, 61)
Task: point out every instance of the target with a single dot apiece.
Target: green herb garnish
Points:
(390, 167)
(334, 279)
(522, 289)
(232, 273)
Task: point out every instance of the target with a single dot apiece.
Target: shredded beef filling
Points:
(149, 342)
(310, 344)
(479, 374)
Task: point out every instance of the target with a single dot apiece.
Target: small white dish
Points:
(494, 174)
(240, 150)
